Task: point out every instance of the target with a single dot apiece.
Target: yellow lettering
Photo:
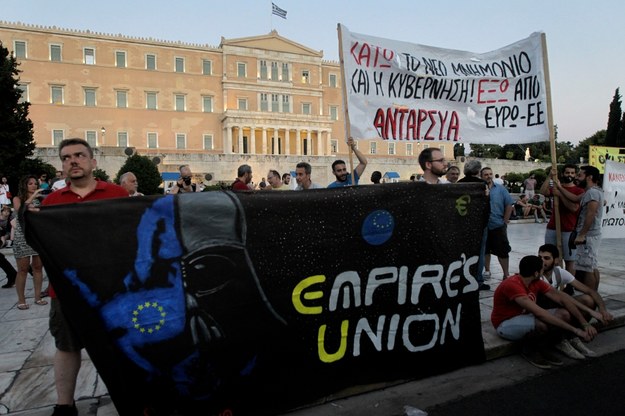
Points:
(296, 297)
(340, 353)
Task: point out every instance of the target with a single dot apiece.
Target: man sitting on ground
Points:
(516, 315)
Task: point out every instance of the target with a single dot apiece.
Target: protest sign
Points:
(397, 90)
(613, 220)
(221, 303)
(598, 155)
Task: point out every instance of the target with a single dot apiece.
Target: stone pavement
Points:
(27, 348)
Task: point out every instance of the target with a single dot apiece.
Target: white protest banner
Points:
(613, 221)
(403, 91)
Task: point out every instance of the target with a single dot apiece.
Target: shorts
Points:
(587, 255)
(550, 238)
(65, 338)
(497, 242)
(517, 328)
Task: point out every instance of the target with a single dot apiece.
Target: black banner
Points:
(224, 303)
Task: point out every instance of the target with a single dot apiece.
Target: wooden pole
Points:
(348, 128)
(552, 142)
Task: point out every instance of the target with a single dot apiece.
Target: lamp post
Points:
(103, 130)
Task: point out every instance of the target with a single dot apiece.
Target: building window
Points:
(55, 53)
(207, 67)
(152, 140)
(121, 98)
(150, 101)
(23, 92)
(305, 76)
(150, 62)
(242, 103)
(241, 70)
(264, 104)
(373, 148)
(179, 64)
(19, 49)
(306, 108)
(285, 72)
(120, 59)
(409, 151)
(122, 139)
(333, 80)
(334, 112)
(89, 56)
(334, 146)
(391, 148)
(275, 103)
(274, 71)
(90, 97)
(208, 142)
(91, 136)
(286, 104)
(180, 102)
(56, 94)
(181, 141)
(207, 104)
(57, 137)
(263, 69)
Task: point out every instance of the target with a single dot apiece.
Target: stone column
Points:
(228, 141)
(252, 139)
(264, 146)
(240, 140)
(287, 142)
(298, 145)
(320, 142)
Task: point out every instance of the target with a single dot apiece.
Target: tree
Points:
(146, 172)
(16, 130)
(614, 120)
(101, 174)
(620, 141)
(582, 151)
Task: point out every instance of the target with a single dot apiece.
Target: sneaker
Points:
(486, 275)
(483, 286)
(567, 349)
(551, 358)
(65, 410)
(579, 346)
(536, 359)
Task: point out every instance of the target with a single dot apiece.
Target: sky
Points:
(584, 39)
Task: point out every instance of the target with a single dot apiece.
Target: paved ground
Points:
(26, 349)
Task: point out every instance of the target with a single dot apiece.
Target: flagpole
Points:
(345, 109)
(552, 142)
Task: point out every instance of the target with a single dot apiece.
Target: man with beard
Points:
(244, 177)
(340, 170)
(433, 164)
(567, 209)
(78, 164)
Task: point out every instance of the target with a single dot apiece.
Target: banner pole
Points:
(552, 142)
(348, 128)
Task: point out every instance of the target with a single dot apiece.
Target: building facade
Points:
(264, 100)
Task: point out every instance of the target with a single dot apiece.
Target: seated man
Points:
(522, 207)
(538, 204)
(516, 315)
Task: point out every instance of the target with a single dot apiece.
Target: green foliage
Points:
(614, 120)
(146, 172)
(101, 175)
(16, 129)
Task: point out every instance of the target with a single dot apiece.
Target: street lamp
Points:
(103, 130)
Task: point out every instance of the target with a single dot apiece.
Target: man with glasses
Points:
(275, 181)
(433, 164)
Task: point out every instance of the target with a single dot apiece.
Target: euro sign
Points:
(462, 204)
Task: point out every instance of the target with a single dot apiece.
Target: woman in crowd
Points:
(25, 256)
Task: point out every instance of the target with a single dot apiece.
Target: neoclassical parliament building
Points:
(262, 100)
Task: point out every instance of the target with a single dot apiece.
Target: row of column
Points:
(322, 143)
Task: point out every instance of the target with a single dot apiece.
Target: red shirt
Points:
(504, 304)
(103, 190)
(568, 218)
(239, 185)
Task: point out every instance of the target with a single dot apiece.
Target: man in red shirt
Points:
(78, 164)
(244, 177)
(568, 212)
(516, 316)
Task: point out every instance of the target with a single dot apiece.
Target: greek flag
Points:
(278, 11)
